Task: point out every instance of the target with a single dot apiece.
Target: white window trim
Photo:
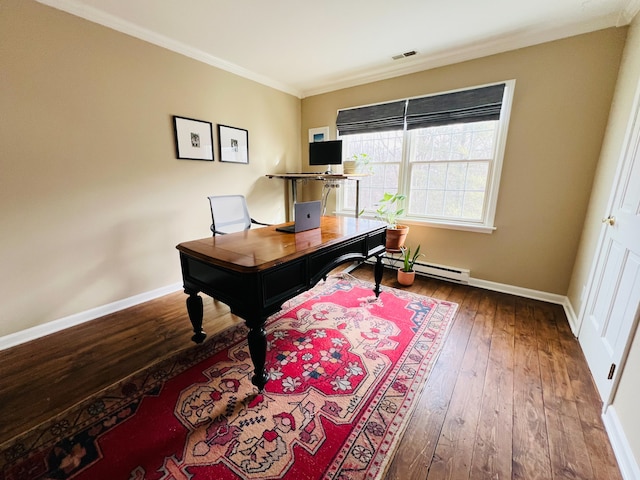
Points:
(491, 199)
(496, 174)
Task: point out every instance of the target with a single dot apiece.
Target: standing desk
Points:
(323, 177)
(257, 270)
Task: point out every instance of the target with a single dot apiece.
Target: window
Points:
(444, 152)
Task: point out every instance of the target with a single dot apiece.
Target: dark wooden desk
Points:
(256, 271)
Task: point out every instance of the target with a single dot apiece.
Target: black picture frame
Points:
(194, 139)
(233, 144)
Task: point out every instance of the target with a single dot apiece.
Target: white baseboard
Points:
(519, 291)
(626, 461)
(572, 317)
(533, 294)
(54, 326)
(38, 331)
(526, 293)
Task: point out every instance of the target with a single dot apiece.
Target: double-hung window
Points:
(444, 152)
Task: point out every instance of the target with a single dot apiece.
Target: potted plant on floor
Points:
(406, 273)
(389, 210)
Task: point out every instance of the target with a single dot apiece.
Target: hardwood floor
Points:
(510, 396)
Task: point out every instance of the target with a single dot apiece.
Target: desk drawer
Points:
(375, 241)
(216, 282)
(322, 262)
(284, 282)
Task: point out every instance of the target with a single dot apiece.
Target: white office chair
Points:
(229, 214)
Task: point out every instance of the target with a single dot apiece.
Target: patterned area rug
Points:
(345, 370)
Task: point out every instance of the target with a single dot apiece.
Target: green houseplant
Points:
(389, 210)
(406, 273)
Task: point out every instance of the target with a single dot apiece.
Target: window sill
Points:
(466, 227)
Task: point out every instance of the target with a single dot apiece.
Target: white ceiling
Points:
(305, 48)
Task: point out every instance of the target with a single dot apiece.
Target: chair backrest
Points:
(229, 214)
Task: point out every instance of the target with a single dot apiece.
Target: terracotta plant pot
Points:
(396, 237)
(406, 278)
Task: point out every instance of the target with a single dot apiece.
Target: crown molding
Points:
(128, 28)
(629, 12)
(501, 44)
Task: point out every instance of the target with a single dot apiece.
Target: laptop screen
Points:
(306, 217)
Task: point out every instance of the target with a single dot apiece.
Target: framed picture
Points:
(234, 144)
(318, 134)
(194, 139)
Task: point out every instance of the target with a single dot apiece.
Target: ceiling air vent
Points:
(404, 55)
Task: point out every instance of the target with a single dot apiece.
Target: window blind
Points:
(374, 118)
(474, 105)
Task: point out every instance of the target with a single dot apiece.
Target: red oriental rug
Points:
(345, 370)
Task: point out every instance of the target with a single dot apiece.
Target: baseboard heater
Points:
(460, 275)
(443, 272)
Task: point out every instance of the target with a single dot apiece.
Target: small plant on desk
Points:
(357, 164)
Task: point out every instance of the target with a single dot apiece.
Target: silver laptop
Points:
(306, 216)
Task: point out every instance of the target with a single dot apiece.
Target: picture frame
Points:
(233, 144)
(194, 139)
(319, 134)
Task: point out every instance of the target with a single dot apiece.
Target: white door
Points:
(612, 305)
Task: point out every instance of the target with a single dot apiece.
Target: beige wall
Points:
(92, 198)
(626, 398)
(562, 98)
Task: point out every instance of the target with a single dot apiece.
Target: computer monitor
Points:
(325, 153)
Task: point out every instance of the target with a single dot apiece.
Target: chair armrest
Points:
(216, 232)
(260, 223)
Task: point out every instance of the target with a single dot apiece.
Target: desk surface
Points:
(258, 249)
(318, 176)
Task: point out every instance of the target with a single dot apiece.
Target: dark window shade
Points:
(374, 118)
(475, 105)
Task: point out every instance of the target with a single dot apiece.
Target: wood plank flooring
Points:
(510, 396)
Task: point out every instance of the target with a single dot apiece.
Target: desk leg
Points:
(195, 309)
(357, 197)
(294, 199)
(377, 274)
(257, 339)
